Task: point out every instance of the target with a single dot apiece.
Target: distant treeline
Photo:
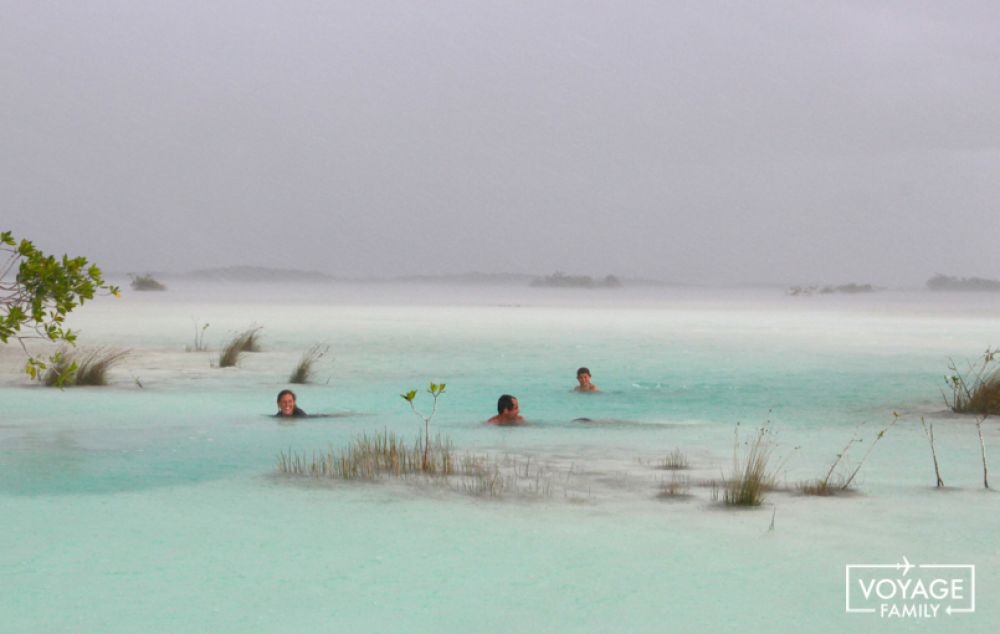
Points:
(948, 283)
(258, 274)
(146, 283)
(829, 289)
(560, 279)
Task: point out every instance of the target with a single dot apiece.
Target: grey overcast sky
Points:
(701, 141)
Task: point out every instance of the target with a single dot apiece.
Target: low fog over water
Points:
(512, 295)
(709, 142)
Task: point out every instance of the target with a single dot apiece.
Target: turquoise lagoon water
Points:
(158, 508)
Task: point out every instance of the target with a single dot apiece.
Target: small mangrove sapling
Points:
(435, 390)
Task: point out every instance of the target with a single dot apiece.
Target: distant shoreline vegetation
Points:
(258, 274)
(561, 280)
(472, 279)
(849, 289)
(948, 283)
(146, 283)
(251, 274)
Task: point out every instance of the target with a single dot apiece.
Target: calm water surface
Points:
(158, 508)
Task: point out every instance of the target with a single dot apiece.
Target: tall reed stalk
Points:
(825, 485)
(929, 432)
(982, 449)
(199, 338)
(871, 447)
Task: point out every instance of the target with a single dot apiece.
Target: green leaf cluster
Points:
(38, 291)
(434, 389)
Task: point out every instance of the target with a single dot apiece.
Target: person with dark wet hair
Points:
(508, 412)
(583, 377)
(286, 405)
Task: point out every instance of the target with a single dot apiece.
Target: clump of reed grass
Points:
(230, 354)
(251, 339)
(146, 283)
(82, 367)
(246, 341)
(675, 461)
(831, 484)
(822, 487)
(373, 457)
(386, 456)
(480, 476)
(303, 371)
(679, 487)
(381, 455)
(828, 484)
(977, 389)
(751, 477)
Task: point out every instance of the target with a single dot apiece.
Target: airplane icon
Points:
(905, 566)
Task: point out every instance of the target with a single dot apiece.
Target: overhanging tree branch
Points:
(35, 301)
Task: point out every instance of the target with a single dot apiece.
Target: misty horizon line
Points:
(257, 273)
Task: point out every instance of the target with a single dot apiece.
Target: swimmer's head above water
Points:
(508, 411)
(583, 378)
(286, 404)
